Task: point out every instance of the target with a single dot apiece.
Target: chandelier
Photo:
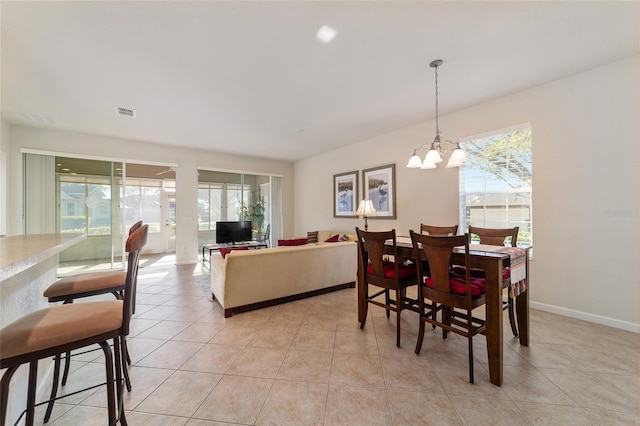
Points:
(437, 150)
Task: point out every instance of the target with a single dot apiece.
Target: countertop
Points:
(20, 252)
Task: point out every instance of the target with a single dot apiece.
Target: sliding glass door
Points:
(101, 199)
(224, 196)
(68, 195)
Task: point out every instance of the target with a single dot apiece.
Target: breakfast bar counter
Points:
(28, 265)
(21, 252)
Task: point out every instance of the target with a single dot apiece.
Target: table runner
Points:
(518, 260)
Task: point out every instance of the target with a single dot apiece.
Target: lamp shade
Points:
(365, 208)
(458, 155)
(457, 158)
(432, 156)
(415, 161)
(427, 165)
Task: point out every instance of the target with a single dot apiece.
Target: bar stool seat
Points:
(59, 326)
(51, 331)
(85, 285)
(89, 283)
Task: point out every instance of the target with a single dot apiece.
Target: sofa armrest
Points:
(217, 278)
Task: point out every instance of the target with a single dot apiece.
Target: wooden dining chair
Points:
(438, 231)
(52, 331)
(499, 237)
(445, 291)
(88, 284)
(385, 270)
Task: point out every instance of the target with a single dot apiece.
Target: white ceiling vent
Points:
(37, 118)
(126, 111)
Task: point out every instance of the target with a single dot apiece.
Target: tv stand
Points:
(216, 246)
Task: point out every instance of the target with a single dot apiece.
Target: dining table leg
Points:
(362, 313)
(494, 330)
(522, 310)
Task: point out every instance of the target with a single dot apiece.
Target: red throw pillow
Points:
(224, 251)
(333, 239)
(293, 242)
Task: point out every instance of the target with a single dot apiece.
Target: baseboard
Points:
(273, 302)
(585, 316)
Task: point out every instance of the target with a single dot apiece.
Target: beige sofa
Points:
(251, 279)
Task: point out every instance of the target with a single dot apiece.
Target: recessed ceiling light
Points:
(326, 33)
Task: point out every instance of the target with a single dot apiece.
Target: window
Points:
(209, 205)
(142, 202)
(87, 200)
(495, 181)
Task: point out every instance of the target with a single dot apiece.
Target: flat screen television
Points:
(233, 232)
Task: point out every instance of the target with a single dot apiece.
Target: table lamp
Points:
(365, 208)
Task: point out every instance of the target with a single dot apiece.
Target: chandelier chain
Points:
(437, 126)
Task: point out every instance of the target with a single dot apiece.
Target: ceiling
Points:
(251, 78)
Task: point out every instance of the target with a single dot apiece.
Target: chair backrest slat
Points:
(438, 251)
(438, 231)
(495, 236)
(372, 246)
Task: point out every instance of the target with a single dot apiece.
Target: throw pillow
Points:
(344, 237)
(312, 237)
(293, 242)
(224, 251)
(333, 239)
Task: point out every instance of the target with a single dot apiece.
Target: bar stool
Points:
(77, 286)
(52, 331)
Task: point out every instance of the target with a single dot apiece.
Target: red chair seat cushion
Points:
(224, 251)
(404, 271)
(458, 286)
(479, 273)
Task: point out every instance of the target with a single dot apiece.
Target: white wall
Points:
(4, 173)
(585, 187)
(187, 160)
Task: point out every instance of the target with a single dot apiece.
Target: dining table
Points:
(492, 259)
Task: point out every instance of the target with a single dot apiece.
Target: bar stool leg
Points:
(117, 351)
(67, 363)
(31, 393)
(4, 392)
(54, 388)
(108, 361)
(125, 356)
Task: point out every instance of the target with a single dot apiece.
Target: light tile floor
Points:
(308, 363)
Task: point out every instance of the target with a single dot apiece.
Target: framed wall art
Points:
(379, 186)
(345, 194)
